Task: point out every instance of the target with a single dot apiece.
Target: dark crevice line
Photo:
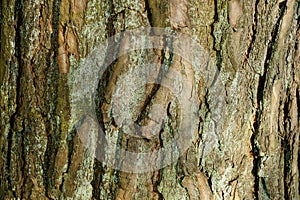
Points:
(157, 84)
(216, 17)
(218, 51)
(97, 177)
(287, 166)
(265, 188)
(287, 154)
(260, 101)
(206, 103)
(147, 102)
(168, 111)
(52, 87)
(18, 54)
(70, 142)
(156, 184)
(149, 12)
(209, 182)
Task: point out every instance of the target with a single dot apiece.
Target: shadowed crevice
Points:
(52, 88)
(215, 48)
(149, 12)
(272, 45)
(11, 134)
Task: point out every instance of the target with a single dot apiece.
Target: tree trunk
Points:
(68, 92)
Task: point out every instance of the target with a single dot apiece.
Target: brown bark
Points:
(253, 152)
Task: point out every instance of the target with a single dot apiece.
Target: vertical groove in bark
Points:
(149, 12)
(15, 117)
(260, 97)
(216, 44)
(52, 127)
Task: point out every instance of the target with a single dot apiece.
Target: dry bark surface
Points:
(245, 120)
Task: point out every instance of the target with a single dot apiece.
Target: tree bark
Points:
(253, 152)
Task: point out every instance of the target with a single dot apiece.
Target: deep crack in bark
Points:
(260, 100)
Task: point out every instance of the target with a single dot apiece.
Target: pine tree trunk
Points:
(245, 117)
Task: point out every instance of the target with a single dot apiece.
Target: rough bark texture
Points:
(256, 146)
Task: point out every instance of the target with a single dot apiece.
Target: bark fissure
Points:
(265, 188)
(260, 100)
(14, 117)
(287, 166)
(255, 149)
(157, 84)
(287, 145)
(216, 46)
(53, 131)
(70, 142)
(156, 181)
(149, 12)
